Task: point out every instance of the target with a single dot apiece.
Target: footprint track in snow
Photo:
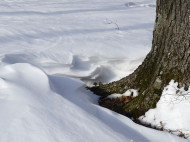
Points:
(133, 4)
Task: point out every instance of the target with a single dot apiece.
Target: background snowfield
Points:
(75, 37)
(50, 50)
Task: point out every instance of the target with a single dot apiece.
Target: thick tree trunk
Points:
(168, 59)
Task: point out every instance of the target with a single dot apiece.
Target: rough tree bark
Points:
(168, 59)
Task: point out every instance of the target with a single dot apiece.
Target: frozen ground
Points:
(50, 49)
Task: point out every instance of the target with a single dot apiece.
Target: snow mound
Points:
(38, 107)
(130, 92)
(172, 111)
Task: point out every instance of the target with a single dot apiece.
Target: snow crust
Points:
(129, 92)
(50, 50)
(172, 111)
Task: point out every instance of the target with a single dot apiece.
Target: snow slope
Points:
(49, 50)
(36, 107)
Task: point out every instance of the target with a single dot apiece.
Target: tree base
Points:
(134, 108)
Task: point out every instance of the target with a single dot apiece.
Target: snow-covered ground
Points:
(49, 51)
(172, 111)
(77, 38)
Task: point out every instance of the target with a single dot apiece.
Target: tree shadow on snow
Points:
(58, 33)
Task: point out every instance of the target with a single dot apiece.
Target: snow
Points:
(53, 35)
(50, 50)
(130, 92)
(39, 107)
(172, 111)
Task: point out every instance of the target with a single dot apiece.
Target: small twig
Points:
(111, 22)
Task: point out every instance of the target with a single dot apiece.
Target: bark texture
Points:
(168, 59)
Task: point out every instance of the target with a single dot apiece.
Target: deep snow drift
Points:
(50, 49)
(36, 107)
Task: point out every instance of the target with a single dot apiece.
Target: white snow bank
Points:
(36, 107)
(130, 92)
(172, 111)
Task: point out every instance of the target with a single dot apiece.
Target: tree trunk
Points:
(168, 59)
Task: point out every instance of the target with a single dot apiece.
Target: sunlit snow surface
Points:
(77, 38)
(48, 51)
(172, 111)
